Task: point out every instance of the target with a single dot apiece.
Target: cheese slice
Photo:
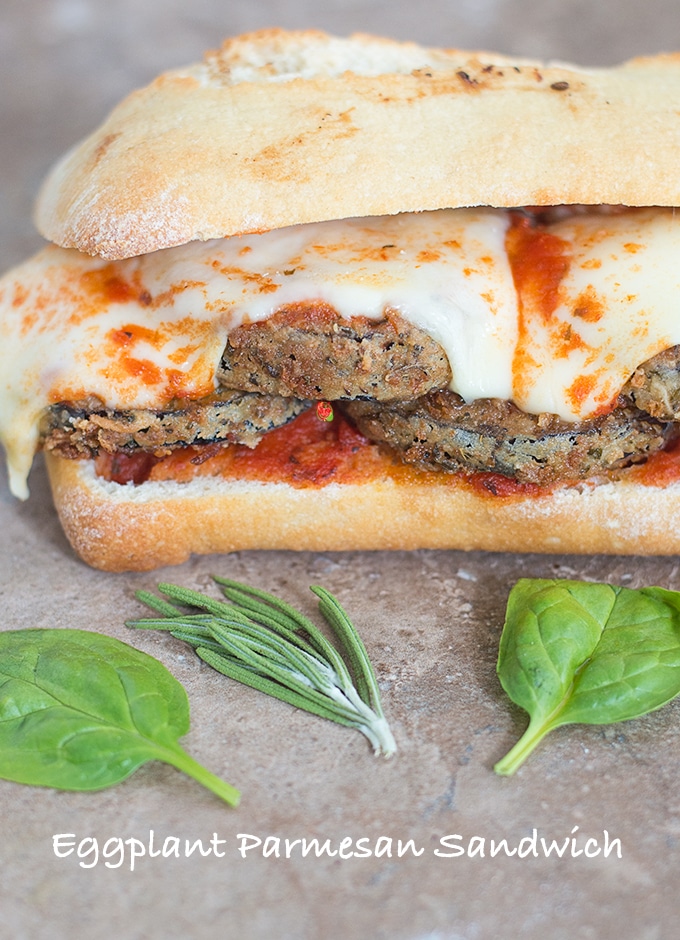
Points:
(554, 318)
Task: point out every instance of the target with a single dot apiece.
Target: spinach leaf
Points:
(577, 652)
(82, 711)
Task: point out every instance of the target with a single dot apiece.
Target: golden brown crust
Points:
(270, 130)
(119, 528)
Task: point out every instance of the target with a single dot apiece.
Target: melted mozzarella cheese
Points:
(617, 305)
(141, 332)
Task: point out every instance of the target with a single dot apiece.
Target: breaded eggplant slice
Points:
(81, 429)
(442, 432)
(308, 351)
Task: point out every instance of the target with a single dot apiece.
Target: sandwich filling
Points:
(543, 345)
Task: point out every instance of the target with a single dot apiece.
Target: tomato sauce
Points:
(662, 469)
(125, 468)
(539, 261)
(310, 452)
(495, 484)
(306, 452)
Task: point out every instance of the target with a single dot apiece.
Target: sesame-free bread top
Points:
(278, 128)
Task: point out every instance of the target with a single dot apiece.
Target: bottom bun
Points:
(139, 527)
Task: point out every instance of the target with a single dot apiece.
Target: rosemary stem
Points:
(261, 641)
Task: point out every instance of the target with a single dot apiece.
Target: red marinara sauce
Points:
(539, 260)
(309, 452)
(306, 452)
(661, 469)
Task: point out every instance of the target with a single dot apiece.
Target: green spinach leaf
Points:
(82, 711)
(578, 652)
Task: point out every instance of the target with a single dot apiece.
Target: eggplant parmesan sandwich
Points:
(331, 294)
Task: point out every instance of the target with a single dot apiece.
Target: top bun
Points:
(279, 128)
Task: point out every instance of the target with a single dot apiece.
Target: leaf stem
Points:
(182, 761)
(517, 754)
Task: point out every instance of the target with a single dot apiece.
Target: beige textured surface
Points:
(358, 127)
(431, 620)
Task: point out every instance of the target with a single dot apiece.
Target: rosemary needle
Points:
(263, 642)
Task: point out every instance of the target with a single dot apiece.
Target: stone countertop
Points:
(431, 622)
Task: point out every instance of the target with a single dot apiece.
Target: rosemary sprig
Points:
(261, 641)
